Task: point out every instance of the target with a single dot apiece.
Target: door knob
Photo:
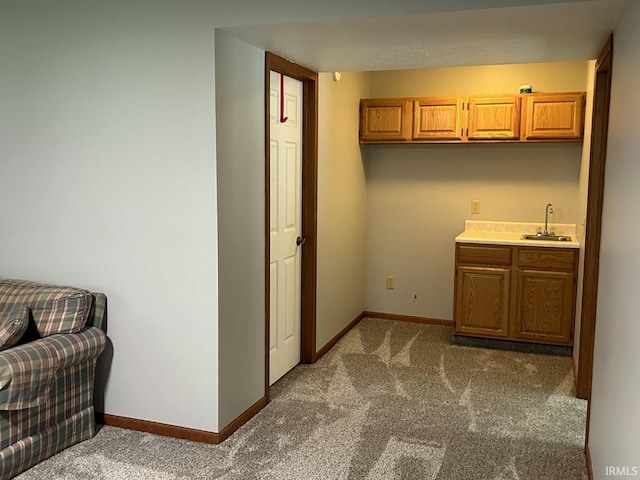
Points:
(300, 241)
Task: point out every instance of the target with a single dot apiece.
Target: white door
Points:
(286, 225)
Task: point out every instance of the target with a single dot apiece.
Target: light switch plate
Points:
(475, 206)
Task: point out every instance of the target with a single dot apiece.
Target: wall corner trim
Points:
(184, 433)
(575, 375)
(157, 428)
(385, 316)
(587, 454)
(241, 419)
(331, 343)
(409, 318)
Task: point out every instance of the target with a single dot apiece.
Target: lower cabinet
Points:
(515, 293)
(483, 302)
(544, 308)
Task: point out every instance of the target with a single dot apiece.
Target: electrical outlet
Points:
(391, 283)
(475, 206)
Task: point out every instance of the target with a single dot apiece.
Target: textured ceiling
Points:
(520, 34)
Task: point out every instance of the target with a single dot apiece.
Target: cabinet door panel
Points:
(494, 118)
(482, 301)
(437, 118)
(557, 116)
(545, 306)
(385, 119)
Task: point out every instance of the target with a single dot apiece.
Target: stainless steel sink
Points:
(547, 234)
(553, 238)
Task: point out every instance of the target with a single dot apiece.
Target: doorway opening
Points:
(309, 193)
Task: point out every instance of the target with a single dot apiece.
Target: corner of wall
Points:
(241, 235)
(341, 205)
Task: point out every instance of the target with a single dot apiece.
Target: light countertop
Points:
(510, 233)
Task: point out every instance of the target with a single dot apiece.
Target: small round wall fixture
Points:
(336, 76)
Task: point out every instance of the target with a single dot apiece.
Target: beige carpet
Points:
(392, 400)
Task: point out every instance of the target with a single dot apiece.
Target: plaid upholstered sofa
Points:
(50, 340)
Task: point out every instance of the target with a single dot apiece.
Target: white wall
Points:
(418, 199)
(614, 438)
(241, 224)
(108, 117)
(240, 173)
(419, 196)
(481, 80)
(107, 160)
(341, 204)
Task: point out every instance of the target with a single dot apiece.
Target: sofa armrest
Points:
(28, 371)
(98, 313)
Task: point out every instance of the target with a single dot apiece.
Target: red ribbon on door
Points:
(283, 119)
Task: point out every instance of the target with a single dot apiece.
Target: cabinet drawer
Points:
(547, 258)
(484, 255)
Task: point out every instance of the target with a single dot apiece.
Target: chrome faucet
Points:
(548, 209)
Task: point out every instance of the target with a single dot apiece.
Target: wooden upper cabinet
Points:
(438, 118)
(494, 118)
(532, 117)
(385, 119)
(554, 116)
